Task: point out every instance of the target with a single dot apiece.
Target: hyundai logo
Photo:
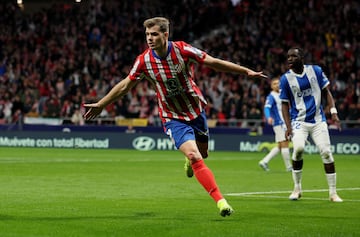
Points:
(143, 143)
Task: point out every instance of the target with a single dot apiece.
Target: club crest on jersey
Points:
(313, 80)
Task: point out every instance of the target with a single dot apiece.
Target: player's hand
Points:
(270, 121)
(257, 74)
(336, 120)
(288, 134)
(93, 111)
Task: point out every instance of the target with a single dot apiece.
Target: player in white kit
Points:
(273, 115)
(301, 90)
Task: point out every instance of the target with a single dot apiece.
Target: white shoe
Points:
(335, 198)
(295, 195)
(264, 166)
(289, 169)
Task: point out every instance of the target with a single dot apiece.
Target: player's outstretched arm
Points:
(227, 66)
(115, 93)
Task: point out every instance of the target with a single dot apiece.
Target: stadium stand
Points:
(55, 58)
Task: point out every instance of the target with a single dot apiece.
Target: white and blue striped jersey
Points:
(272, 108)
(303, 92)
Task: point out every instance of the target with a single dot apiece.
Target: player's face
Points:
(294, 59)
(275, 85)
(156, 39)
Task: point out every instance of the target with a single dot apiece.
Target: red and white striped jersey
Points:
(173, 80)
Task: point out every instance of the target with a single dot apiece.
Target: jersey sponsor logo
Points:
(173, 87)
(144, 143)
(300, 93)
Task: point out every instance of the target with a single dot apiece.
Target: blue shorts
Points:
(181, 131)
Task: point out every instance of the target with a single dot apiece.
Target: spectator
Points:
(77, 117)
(68, 50)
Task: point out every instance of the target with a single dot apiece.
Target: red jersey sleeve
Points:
(191, 51)
(137, 70)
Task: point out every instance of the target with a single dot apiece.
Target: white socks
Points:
(297, 174)
(331, 179)
(285, 152)
(270, 155)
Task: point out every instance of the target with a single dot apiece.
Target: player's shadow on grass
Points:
(135, 216)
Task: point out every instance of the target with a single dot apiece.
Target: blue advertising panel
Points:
(159, 141)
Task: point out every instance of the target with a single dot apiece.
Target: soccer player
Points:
(301, 90)
(169, 66)
(273, 115)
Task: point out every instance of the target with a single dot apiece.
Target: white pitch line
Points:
(279, 192)
(303, 198)
(282, 197)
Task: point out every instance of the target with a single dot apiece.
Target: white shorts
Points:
(279, 131)
(319, 133)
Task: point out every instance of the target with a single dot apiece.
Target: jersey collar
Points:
(168, 51)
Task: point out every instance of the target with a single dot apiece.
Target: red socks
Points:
(206, 178)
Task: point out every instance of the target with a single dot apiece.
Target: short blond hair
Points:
(162, 22)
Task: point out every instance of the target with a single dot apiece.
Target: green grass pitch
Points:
(85, 192)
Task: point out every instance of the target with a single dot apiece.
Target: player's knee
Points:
(326, 155)
(298, 152)
(192, 156)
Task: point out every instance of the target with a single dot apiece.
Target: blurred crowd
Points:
(57, 58)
